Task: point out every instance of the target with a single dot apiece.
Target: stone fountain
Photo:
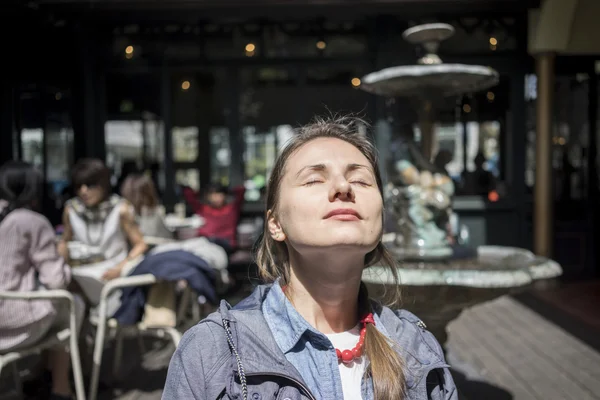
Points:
(441, 275)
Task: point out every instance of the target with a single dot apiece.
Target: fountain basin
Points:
(429, 80)
(438, 291)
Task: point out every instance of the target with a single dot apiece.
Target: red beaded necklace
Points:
(348, 356)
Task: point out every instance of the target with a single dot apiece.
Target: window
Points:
(185, 143)
(188, 177)
(33, 146)
(220, 155)
(124, 143)
(570, 155)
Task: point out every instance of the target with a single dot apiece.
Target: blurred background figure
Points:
(30, 261)
(140, 191)
(101, 220)
(220, 213)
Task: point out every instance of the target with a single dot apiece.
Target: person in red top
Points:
(221, 217)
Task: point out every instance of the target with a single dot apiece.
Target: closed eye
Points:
(313, 182)
(361, 183)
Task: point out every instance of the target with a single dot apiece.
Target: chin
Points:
(354, 241)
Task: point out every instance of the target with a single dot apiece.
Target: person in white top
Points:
(100, 219)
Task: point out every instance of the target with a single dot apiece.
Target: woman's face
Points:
(328, 199)
(91, 195)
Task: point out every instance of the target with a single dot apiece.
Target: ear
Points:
(275, 229)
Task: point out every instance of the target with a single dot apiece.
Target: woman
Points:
(140, 191)
(313, 333)
(29, 261)
(101, 220)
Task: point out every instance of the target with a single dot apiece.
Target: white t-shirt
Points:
(351, 373)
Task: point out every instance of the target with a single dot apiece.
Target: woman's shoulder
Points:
(412, 334)
(207, 338)
(24, 216)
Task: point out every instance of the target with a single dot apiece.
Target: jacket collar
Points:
(260, 352)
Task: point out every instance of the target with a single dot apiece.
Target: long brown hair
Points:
(140, 191)
(386, 367)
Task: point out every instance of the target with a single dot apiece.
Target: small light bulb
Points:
(355, 82)
(185, 85)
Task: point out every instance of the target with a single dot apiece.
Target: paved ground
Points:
(522, 348)
(505, 350)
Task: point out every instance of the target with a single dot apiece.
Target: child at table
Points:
(221, 217)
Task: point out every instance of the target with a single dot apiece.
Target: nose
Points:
(83, 189)
(341, 189)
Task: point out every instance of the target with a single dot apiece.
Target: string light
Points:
(185, 85)
(355, 82)
(321, 45)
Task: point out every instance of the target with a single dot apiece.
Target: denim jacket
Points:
(233, 354)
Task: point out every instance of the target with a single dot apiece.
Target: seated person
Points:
(30, 261)
(101, 220)
(221, 217)
(140, 191)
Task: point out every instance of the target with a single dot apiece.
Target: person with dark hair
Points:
(220, 217)
(140, 191)
(29, 261)
(129, 167)
(480, 181)
(101, 220)
(312, 332)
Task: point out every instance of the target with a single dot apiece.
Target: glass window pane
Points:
(185, 143)
(220, 155)
(124, 143)
(33, 146)
(259, 157)
(188, 177)
(154, 141)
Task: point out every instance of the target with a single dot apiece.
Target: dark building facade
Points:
(205, 91)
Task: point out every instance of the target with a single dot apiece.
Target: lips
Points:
(343, 213)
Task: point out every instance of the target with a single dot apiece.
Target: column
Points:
(166, 97)
(515, 150)
(236, 139)
(543, 216)
(6, 123)
(89, 110)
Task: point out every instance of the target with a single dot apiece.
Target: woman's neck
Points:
(325, 291)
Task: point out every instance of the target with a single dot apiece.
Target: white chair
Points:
(66, 336)
(102, 322)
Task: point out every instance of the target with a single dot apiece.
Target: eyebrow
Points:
(323, 167)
